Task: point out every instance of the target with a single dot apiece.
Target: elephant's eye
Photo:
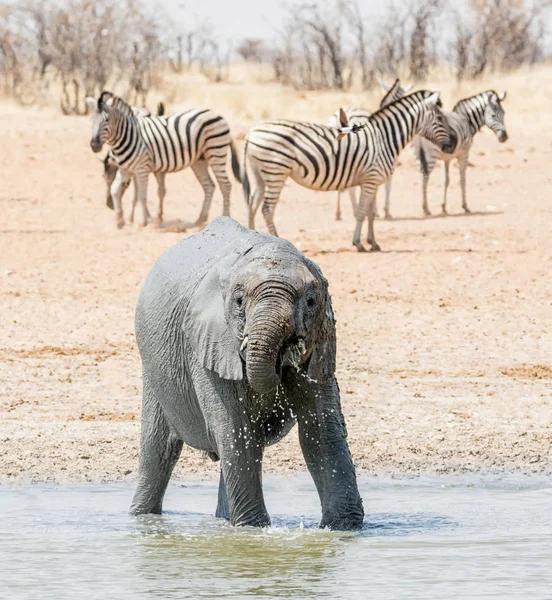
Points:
(239, 301)
(310, 302)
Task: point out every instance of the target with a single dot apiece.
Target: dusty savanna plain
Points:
(444, 338)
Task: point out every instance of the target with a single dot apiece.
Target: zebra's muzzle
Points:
(96, 145)
(502, 136)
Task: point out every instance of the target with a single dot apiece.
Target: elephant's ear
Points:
(207, 332)
(322, 360)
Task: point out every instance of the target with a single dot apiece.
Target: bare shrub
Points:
(499, 35)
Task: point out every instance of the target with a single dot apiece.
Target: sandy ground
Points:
(444, 338)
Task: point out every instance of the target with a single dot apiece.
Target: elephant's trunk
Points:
(269, 327)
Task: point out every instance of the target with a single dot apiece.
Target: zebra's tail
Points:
(245, 179)
(236, 169)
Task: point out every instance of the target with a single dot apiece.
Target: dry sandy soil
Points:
(444, 338)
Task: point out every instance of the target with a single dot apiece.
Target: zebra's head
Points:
(100, 111)
(494, 115)
(433, 124)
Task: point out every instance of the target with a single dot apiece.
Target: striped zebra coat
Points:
(148, 144)
(312, 156)
(467, 117)
(359, 115)
(110, 168)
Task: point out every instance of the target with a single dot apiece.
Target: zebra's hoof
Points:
(120, 223)
(467, 210)
(388, 217)
(338, 217)
(375, 247)
(360, 247)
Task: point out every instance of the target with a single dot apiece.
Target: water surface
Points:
(468, 537)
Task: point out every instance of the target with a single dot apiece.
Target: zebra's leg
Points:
(161, 193)
(118, 187)
(255, 200)
(273, 190)
(201, 171)
(366, 208)
(225, 186)
(142, 181)
(387, 208)
(134, 200)
(338, 207)
(463, 164)
(352, 198)
(446, 172)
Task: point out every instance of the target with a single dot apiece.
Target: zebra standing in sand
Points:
(359, 115)
(110, 168)
(150, 144)
(313, 156)
(467, 117)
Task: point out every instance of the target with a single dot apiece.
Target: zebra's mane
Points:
(485, 96)
(417, 96)
(395, 92)
(116, 102)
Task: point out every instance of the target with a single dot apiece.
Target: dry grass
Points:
(528, 371)
(251, 96)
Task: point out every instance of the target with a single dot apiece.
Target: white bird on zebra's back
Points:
(360, 115)
(313, 157)
(467, 118)
(196, 138)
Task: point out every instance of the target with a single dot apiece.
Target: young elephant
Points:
(237, 339)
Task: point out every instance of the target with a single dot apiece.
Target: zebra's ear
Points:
(502, 96)
(433, 100)
(91, 103)
(343, 120)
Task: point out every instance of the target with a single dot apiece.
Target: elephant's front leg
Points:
(160, 449)
(323, 438)
(241, 457)
(222, 511)
(239, 444)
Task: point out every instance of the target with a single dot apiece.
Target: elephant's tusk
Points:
(244, 343)
(301, 346)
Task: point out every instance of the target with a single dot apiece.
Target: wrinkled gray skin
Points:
(237, 339)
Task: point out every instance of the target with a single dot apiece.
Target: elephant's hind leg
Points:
(159, 451)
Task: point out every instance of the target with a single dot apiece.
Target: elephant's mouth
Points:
(292, 353)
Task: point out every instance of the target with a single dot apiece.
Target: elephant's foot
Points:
(350, 522)
(251, 521)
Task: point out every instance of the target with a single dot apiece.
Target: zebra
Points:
(467, 118)
(312, 156)
(166, 144)
(359, 115)
(110, 169)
